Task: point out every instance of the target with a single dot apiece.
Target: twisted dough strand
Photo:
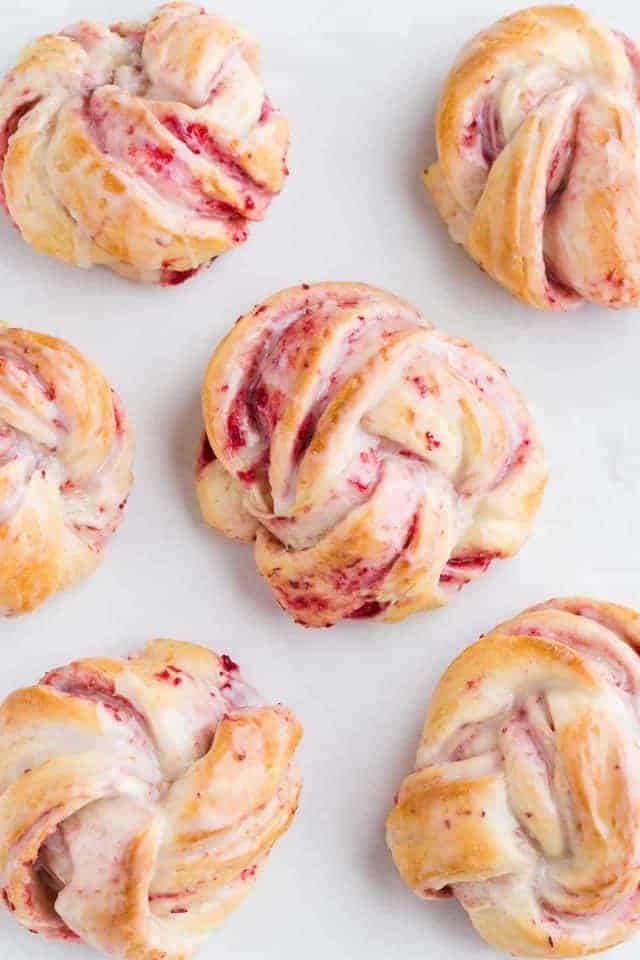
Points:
(538, 158)
(139, 798)
(525, 800)
(66, 449)
(378, 464)
(144, 147)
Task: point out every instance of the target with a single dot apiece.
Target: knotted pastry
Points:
(538, 171)
(146, 147)
(525, 800)
(139, 798)
(66, 449)
(378, 464)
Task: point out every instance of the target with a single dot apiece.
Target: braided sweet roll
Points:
(66, 449)
(378, 464)
(525, 800)
(538, 171)
(139, 798)
(146, 147)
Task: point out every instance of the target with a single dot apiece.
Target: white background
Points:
(359, 82)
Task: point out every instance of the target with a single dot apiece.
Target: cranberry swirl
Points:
(139, 798)
(378, 464)
(146, 147)
(525, 799)
(537, 172)
(66, 449)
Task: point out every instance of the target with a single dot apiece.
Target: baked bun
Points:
(378, 464)
(146, 147)
(66, 450)
(538, 171)
(139, 798)
(525, 800)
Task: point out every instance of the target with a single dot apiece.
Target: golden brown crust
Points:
(148, 148)
(139, 798)
(524, 802)
(66, 450)
(378, 464)
(537, 171)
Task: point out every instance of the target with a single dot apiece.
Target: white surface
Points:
(359, 82)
